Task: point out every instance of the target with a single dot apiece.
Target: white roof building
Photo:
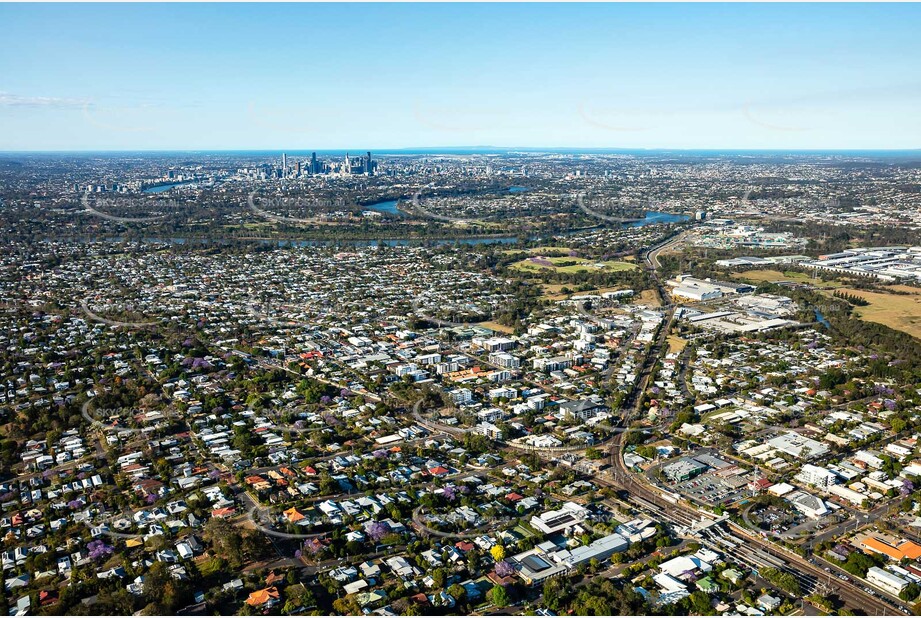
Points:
(811, 506)
(890, 582)
(682, 564)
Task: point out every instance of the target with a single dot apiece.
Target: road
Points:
(750, 548)
(738, 541)
(652, 256)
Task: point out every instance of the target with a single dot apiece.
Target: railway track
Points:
(736, 541)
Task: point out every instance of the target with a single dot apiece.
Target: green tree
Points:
(910, 592)
(498, 595)
(858, 563)
(781, 579)
(700, 603)
(458, 592)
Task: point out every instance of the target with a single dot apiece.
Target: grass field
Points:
(565, 264)
(773, 276)
(676, 344)
(497, 327)
(540, 251)
(899, 311)
(554, 291)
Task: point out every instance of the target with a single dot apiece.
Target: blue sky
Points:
(316, 76)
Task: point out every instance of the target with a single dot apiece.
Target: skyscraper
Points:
(368, 169)
(284, 164)
(314, 168)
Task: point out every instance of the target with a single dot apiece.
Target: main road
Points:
(651, 499)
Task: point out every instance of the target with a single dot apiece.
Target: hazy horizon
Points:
(472, 150)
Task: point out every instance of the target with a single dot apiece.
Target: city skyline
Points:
(393, 77)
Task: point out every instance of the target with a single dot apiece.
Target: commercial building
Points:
(684, 469)
(798, 446)
(495, 344)
(599, 550)
(811, 506)
(534, 567)
(885, 263)
(554, 363)
(884, 580)
(697, 293)
(817, 476)
(503, 359)
(583, 409)
(854, 497)
(571, 514)
(691, 288)
(905, 549)
(780, 489)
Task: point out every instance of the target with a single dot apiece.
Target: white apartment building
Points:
(817, 476)
(884, 580)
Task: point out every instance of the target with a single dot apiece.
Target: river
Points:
(390, 207)
(388, 242)
(651, 217)
(166, 187)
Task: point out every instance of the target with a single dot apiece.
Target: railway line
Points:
(723, 536)
(753, 551)
(720, 539)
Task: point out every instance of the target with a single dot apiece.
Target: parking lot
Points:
(712, 489)
(773, 518)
